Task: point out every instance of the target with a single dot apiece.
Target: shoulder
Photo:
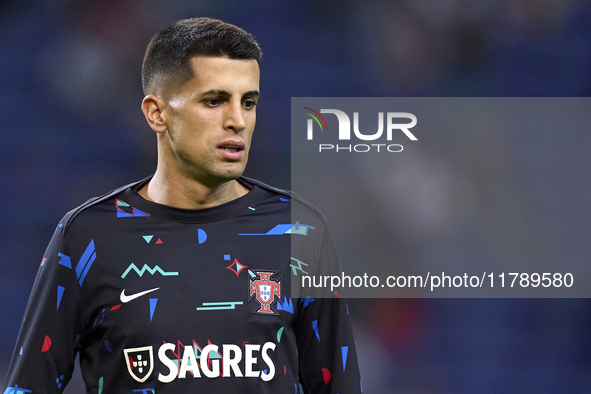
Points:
(299, 206)
(85, 209)
(305, 219)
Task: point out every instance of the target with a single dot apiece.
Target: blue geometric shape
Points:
(153, 302)
(137, 212)
(361, 387)
(147, 238)
(252, 274)
(60, 293)
(201, 235)
(286, 306)
(134, 211)
(344, 351)
(16, 390)
(347, 305)
(307, 301)
(21, 352)
(264, 371)
(226, 257)
(43, 262)
(315, 328)
(108, 346)
(280, 229)
(64, 260)
(85, 262)
(283, 199)
(251, 208)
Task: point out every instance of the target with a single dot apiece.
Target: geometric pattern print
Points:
(197, 351)
(84, 263)
(280, 229)
(298, 266)
(16, 390)
(119, 204)
(146, 268)
(236, 266)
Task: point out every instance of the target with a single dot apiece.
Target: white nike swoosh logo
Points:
(127, 298)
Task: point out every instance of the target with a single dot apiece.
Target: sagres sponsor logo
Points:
(140, 362)
(395, 122)
(179, 361)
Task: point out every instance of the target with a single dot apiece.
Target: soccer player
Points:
(181, 282)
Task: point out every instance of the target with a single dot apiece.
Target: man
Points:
(181, 282)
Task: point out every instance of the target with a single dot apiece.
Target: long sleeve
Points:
(43, 359)
(327, 356)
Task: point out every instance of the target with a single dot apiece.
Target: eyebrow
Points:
(225, 93)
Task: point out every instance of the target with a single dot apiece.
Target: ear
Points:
(153, 107)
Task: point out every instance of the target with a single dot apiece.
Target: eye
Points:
(249, 104)
(212, 102)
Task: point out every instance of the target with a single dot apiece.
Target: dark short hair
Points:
(169, 52)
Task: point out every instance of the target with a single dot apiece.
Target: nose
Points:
(235, 117)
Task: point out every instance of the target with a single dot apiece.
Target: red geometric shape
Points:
(284, 370)
(327, 375)
(116, 307)
(130, 362)
(123, 203)
(134, 211)
(239, 267)
(159, 241)
(46, 344)
(336, 292)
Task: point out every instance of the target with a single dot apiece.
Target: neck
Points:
(180, 191)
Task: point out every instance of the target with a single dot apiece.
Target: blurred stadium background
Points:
(72, 128)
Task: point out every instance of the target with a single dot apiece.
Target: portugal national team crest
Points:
(266, 290)
(140, 362)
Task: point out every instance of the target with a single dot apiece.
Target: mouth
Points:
(232, 146)
(231, 150)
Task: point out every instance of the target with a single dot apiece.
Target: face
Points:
(210, 119)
